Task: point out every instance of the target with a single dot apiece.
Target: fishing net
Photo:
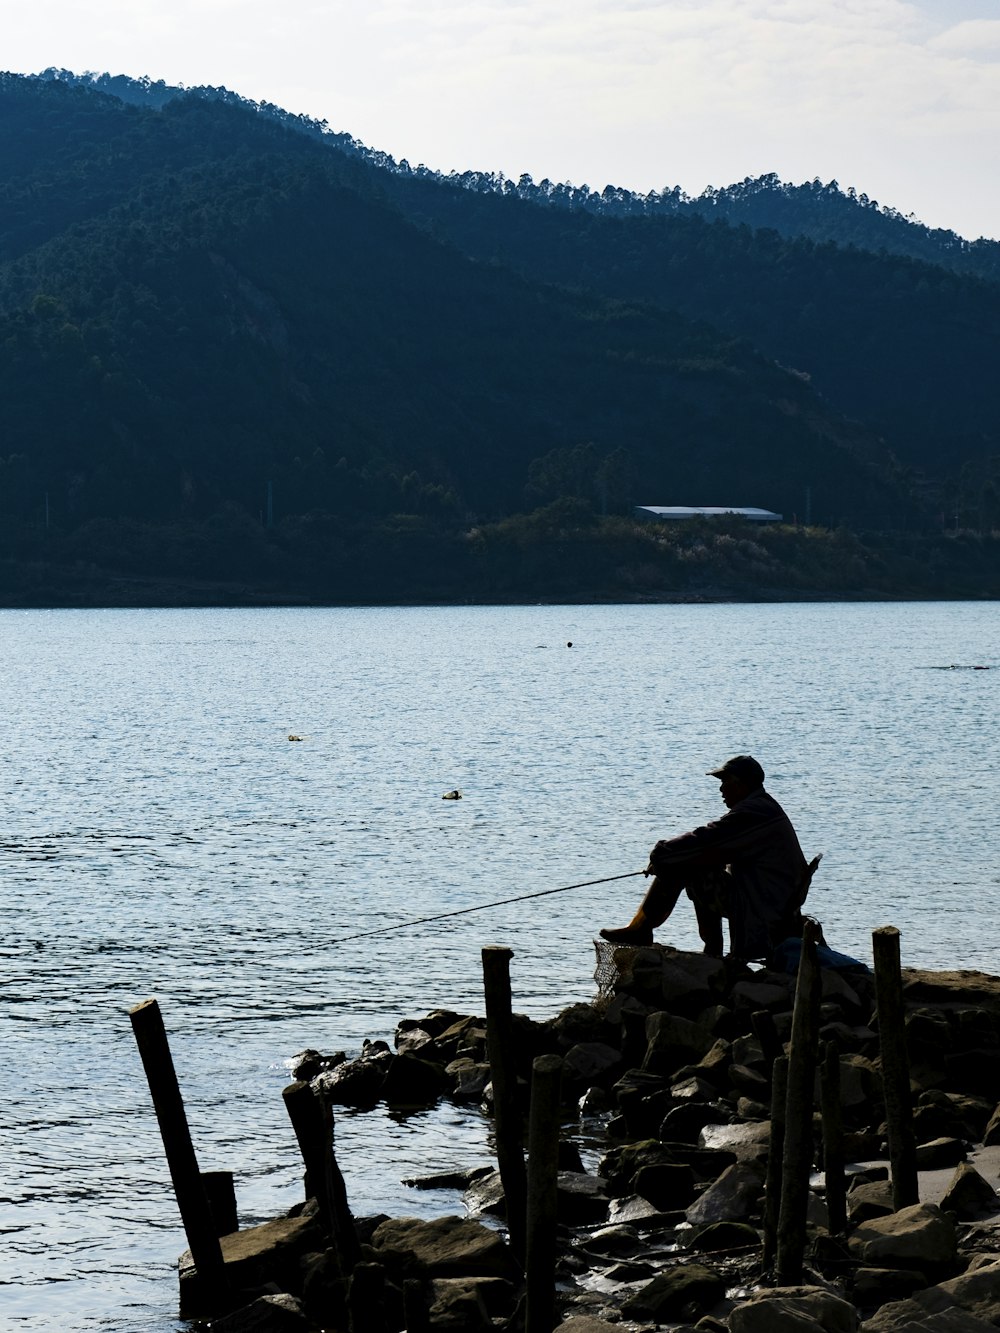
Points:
(613, 969)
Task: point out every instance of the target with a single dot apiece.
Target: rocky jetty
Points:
(672, 1068)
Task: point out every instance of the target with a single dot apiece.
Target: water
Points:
(162, 836)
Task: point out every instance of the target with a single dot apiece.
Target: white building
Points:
(705, 511)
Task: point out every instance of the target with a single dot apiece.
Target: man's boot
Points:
(659, 902)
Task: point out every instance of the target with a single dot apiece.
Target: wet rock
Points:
(969, 1196)
(279, 1313)
(618, 1242)
(323, 1287)
(733, 1197)
(634, 1209)
(669, 1186)
(412, 1082)
(357, 1082)
(969, 1303)
(677, 1294)
(485, 1196)
(254, 1257)
(916, 1237)
(795, 1310)
(585, 1323)
(443, 1247)
(748, 1143)
(307, 1064)
(725, 1238)
(684, 1123)
(749, 1082)
(468, 1079)
(412, 1038)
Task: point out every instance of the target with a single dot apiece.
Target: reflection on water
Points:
(162, 836)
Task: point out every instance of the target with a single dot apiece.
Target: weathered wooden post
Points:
(189, 1188)
(543, 1181)
(775, 1158)
(221, 1195)
(507, 1126)
(895, 1067)
(798, 1153)
(366, 1300)
(312, 1120)
(833, 1138)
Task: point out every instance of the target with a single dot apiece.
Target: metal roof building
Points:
(706, 511)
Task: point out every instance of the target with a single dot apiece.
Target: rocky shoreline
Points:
(672, 1066)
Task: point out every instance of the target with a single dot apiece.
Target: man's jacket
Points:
(767, 871)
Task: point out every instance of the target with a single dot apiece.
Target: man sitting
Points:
(747, 867)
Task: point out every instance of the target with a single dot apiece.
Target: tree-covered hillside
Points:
(236, 351)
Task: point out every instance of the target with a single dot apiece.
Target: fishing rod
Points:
(481, 907)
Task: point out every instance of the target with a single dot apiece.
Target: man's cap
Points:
(742, 766)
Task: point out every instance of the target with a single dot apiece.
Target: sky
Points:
(899, 99)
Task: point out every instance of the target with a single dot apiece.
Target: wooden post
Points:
(767, 1034)
(833, 1138)
(895, 1067)
(189, 1189)
(366, 1299)
(221, 1196)
(503, 1073)
(543, 1179)
(312, 1120)
(775, 1158)
(798, 1153)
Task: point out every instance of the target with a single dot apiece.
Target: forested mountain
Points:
(236, 350)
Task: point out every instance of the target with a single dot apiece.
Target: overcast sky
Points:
(900, 99)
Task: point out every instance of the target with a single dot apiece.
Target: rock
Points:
(469, 1078)
(754, 995)
(323, 1288)
(412, 1039)
(684, 1123)
(873, 1199)
(794, 1310)
(410, 1081)
(991, 1135)
(916, 1237)
(749, 1081)
(747, 1142)
(733, 1197)
(667, 1185)
(443, 1247)
(580, 1198)
(874, 1287)
(468, 1304)
(940, 1153)
(969, 1303)
(693, 1090)
(615, 1242)
(860, 1083)
(356, 1082)
(969, 1196)
(485, 1195)
(255, 1257)
(268, 1314)
(673, 1041)
(677, 1294)
(585, 1323)
(632, 1209)
(591, 1064)
(725, 1238)
(976, 1071)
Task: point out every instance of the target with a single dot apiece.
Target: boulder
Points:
(356, 1082)
(592, 1063)
(485, 1195)
(920, 1237)
(991, 1135)
(673, 1041)
(442, 1247)
(684, 1122)
(969, 1303)
(256, 1256)
(872, 1199)
(732, 1198)
(468, 1078)
(725, 1238)
(585, 1323)
(581, 1197)
(410, 1081)
(969, 1195)
(754, 995)
(668, 1185)
(940, 1153)
(874, 1287)
(279, 1313)
(688, 1289)
(468, 1304)
(794, 1310)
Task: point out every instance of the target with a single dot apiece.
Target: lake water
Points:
(162, 836)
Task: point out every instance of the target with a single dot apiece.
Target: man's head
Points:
(738, 777)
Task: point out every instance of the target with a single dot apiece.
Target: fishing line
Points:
(481, 907)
